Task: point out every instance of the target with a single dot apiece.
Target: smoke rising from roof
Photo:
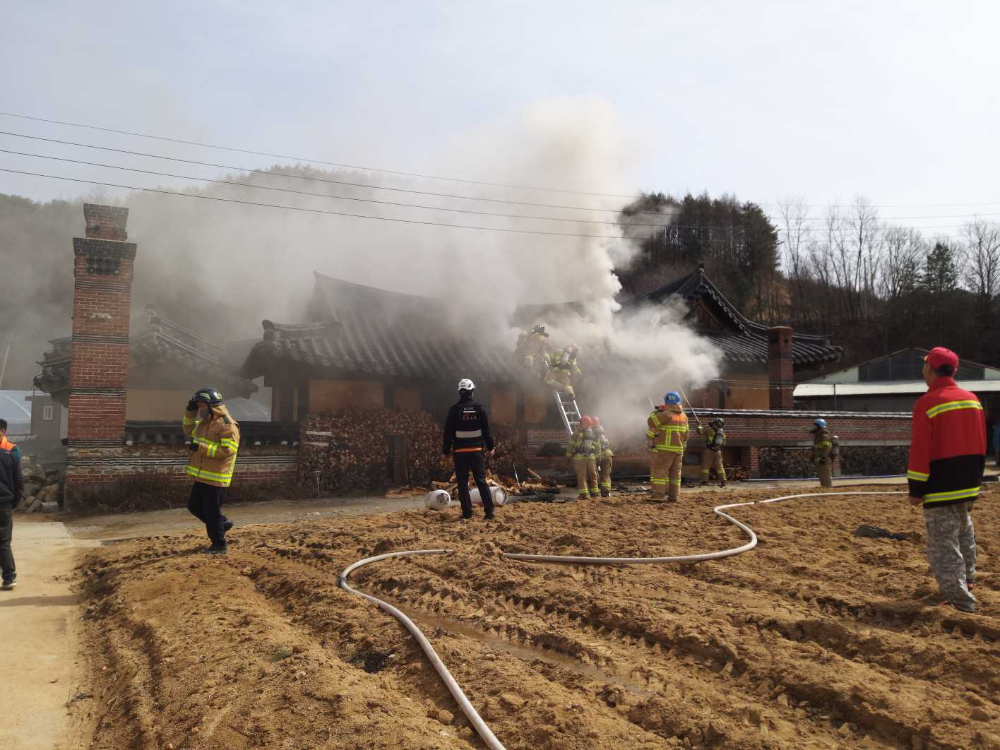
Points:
(221, 268)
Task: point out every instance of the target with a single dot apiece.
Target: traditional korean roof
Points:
(376, 332)
(161, 351)
(740, 339)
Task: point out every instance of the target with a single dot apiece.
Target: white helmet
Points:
(466, 385)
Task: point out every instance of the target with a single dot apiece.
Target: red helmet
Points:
(586, 421)
(595, 422)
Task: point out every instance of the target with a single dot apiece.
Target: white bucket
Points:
(437, 500)
(498, 493)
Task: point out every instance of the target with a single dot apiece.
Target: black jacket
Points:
(467, 428)
(11, 486)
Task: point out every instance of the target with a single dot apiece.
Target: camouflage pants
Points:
(951, 549)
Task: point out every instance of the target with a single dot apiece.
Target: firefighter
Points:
(562, 369)
(667, 432)
(945, 474)
(822, 453)
(582, 448)
(606, 456)
(532, 344)
(467, 432)
(214, 441)
(711, 457)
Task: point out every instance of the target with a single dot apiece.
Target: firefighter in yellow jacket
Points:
(562, 369)
(667, 431)
(711, 457)
(582, 448)
(605, 457)
(214, 441)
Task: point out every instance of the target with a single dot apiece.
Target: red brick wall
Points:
(780, 367)
(102, 271)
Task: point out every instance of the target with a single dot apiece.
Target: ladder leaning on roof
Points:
(568, 410)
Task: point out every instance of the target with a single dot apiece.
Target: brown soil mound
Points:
(816, 638)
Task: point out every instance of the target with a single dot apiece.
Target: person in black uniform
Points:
(467, 432)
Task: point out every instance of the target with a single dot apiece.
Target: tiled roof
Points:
(747, 341)
(377, 332)
(155, 342)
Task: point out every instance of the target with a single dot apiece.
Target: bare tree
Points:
(981, 258)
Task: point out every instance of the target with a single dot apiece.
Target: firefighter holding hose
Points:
(667, 433)
(711, 457)
(945, 474)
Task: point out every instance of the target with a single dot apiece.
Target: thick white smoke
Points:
(222, 267)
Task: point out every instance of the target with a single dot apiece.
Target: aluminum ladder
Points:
(568, 410)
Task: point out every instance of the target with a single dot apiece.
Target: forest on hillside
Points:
(873, 286)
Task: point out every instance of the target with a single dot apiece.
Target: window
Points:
(47, 412)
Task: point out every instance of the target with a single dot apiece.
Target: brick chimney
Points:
(780, 367)
(102, 294)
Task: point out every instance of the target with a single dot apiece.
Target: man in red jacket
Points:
(945, 473)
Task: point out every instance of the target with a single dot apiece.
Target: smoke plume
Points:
(223, 267)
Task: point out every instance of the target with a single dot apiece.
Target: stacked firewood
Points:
(349, 450)
(874, 461)
(786, 463)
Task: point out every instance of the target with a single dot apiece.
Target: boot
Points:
(722, 483)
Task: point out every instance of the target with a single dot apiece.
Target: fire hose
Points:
(446, 677)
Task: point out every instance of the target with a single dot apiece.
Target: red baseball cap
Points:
(939, 357)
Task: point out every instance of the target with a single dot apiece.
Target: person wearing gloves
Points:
(605, 456)
(467, 432)
(667, 433)
(711, 457)
(214, 442)
(582, 449)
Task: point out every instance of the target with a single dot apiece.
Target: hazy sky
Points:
(894, 100)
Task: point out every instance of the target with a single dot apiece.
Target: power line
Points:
(423, 176)
(312, 210)
(235, 183)
(272, 173)
(321, 195)
(312, 161)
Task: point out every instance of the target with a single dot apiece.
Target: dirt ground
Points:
(816, 638)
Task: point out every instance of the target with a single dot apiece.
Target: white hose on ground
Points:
(467, 708)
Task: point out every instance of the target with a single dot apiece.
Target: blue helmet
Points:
(821, 423)
(672, 398)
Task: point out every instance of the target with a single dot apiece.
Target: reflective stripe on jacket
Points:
(948, 445)
(714, 438)
(582, 445)
(668, 428)
(218, 441)
(822, 446)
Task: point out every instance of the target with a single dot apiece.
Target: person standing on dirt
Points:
(11, 493)
(215, 440)
(822, 454)
(667, 435)
(467, 432)
(945, 474)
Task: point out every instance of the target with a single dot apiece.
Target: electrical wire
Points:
(322, 195)
(441, 178)
(313, 161)
(301, 209)
(347, 183)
